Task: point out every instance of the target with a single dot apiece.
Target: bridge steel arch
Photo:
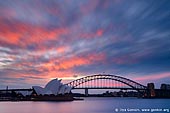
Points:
(134, 85)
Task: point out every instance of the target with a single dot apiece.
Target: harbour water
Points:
(90, 105)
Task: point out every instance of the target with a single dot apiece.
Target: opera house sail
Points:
(53, 90)
(54, 87)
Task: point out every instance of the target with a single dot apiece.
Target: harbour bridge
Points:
(106, 81)
(100, 81)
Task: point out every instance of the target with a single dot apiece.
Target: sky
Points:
(67, 39)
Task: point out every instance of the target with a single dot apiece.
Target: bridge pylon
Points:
(86, 92)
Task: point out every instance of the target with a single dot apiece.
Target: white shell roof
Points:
(53, 87)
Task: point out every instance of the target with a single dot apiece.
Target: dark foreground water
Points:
(90, 105)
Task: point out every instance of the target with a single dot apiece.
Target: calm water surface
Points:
(89, 105)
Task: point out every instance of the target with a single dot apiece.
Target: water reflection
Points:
(89, 105)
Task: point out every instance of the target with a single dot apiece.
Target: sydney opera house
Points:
(54, 87)
(53, 91)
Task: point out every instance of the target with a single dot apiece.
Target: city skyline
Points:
(42, 40)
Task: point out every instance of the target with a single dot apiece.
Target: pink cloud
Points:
(153, 77)
(23, 34)
(89, 35)
(67, 64)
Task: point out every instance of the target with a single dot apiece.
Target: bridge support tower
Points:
(86, 92)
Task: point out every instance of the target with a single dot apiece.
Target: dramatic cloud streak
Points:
(43, 39)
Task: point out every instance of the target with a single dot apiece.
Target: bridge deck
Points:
(107, 88)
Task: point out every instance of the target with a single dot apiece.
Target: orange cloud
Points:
(59, 74)
(73, 62)
(99, 32)
(23, 34)
(62, 49)
(64, 65)
(78, 61)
